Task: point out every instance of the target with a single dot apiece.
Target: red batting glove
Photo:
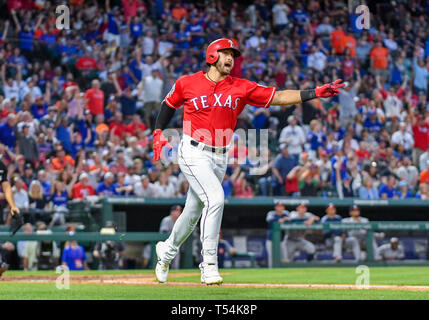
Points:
(329, 89)
(159, 141)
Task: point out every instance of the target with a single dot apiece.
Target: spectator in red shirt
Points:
(136, 125)
(362, 153)
(117, 127)
(241, 188)
(130, 9)
(82, 188)
(86, 63)
(421, 136)
(94, 98)
(69, 81)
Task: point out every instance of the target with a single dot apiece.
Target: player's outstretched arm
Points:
(290, 97)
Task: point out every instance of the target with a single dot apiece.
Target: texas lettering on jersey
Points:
(211, 109)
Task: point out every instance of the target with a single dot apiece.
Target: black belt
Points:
(219, 150)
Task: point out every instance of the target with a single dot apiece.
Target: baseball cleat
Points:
(3, 268)
(161, 269)
(210, 273)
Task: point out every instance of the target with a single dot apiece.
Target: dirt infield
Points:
(149, 280)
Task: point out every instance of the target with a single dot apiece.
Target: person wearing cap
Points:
(295, 240)
(293, 135)
(82, 189)
(403, 191)
(391, 251)
(48, 118)
(332, 238)
(166, 226)
(354, 239)
(27, 146)
(28, 175)
(280, 215)
(106, 187)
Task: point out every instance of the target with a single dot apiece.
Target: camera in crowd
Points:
(109, 252)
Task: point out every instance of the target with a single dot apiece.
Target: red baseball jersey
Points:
(211, 109)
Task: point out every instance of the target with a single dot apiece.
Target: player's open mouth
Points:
(228, 66)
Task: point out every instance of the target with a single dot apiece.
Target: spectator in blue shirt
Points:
(227, 186)
(74, 256)
(283, 164)
(372, 124)
(136, 28)
(260, 117)
(315, 135)
(338, 162)
(7, 132)
(388, 191)
(403, 190)
(183, 38)
(39, 109)
(195, 28)
(64, 131)
(106, 188)
(60, 196)
(367, 190)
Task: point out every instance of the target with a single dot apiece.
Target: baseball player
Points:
(212, 102)
(353, 238)
(391, 251)
(333, 238)
(280, 215)
(295, 239)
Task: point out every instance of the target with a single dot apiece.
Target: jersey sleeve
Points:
(258, 95)
(175, 99)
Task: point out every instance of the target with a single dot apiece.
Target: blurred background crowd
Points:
(77, 105)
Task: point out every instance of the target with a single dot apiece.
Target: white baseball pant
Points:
(204, 171)
(349, 242)
(299, 245)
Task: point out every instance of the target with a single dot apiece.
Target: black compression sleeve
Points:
(307, 95)
(164, 116)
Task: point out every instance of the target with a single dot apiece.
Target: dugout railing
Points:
(151, 237)
(370, 227)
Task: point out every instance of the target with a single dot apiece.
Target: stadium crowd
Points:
(78, 105)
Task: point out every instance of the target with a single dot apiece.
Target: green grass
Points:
(418, 276)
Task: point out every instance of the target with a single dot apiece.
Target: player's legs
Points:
(308, 248)
(204, 171)
(167, 251)
(291, 247)
(353, 243)
(338, 248)
(187, 221)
